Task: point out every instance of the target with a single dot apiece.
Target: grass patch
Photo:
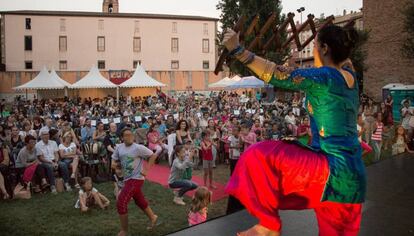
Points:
(49, 214)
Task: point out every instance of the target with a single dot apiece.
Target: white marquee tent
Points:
(140, 79)
(94, 79)
(248, 82)
(225, 82)
(44, 80)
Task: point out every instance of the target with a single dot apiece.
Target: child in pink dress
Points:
(199, 204)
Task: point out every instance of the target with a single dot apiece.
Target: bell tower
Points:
(110, 6)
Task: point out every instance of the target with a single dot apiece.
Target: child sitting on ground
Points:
(89, 196)
(400, 142)
(199, 206)
(118, 179)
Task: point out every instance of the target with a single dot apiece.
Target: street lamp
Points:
(301, 10)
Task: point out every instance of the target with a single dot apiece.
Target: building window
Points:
(175, 64)
(28, 65)
(205, 29)
(28, 43)
(101, 43)
(63, 43)
(136, 27)
(174, 27)
(62, 25)
(206, 46)
(28, 23)
(101, 24)
(137, 44)
(101, 65)
(206, 65)
(63, 65)
(174, 44)
(136, 63)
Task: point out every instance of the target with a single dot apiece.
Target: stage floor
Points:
(389, 209)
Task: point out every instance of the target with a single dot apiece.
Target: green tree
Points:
(359, 55)
(231, 12)
(408, 46)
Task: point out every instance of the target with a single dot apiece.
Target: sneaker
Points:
(175, 192)
(68, 188)
(72, 176)
(53, 189)
(179, 201)
(77, 186)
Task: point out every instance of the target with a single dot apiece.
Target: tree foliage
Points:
(231, 10)
(359, 55)
(408, 46)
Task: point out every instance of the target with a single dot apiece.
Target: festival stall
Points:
(140, 84)
(94, 85)
(248, 82)
(47, 85)
(223, 83)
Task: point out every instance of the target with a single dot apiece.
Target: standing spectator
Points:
(369, 112)
(256, 126)
(204, 121)
(215, 135)
(208, 162)
(247, 136)
(296, 104)
(377, 136)
(304, 132)
(235, 151)
(406, 115)
(258, 96)
(388, 106)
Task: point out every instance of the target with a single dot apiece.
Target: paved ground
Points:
(389, 209)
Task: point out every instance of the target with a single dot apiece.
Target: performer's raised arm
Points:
(269, 72)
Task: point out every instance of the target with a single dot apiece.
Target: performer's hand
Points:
(231, 39)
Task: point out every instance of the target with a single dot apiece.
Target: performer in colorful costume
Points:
(327, 176)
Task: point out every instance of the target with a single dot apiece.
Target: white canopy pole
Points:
(117, 94)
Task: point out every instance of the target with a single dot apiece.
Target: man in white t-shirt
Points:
(47, 152)
(131, 157)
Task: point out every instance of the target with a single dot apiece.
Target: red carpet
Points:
(159, 174)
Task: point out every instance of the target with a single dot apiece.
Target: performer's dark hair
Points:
(341, 41)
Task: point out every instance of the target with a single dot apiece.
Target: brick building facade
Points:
(385, 61)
